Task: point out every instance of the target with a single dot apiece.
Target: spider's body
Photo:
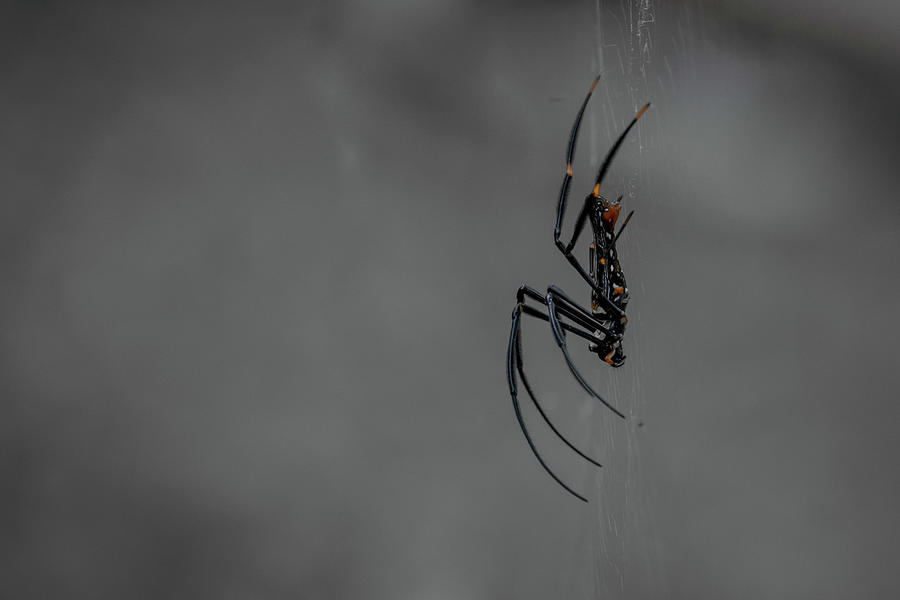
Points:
(608, 278)
(603, 327)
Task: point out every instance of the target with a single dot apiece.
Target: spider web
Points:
(626, 561)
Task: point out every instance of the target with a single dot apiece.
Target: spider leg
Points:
(557, 329)
(615, 148)
(520, 368)
(570, 154)
(513, 391)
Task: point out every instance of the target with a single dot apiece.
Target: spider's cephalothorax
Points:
(603, 327)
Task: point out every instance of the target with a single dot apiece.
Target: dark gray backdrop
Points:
(258, 265)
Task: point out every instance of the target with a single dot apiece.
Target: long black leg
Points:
(582, 216)
(615, 148)
(570, 154)
(521, 369)
(513, 391)
(580, 220)
(558, 334)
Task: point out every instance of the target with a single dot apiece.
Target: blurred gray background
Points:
(259, 261)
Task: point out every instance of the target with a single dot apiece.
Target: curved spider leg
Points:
(561, 342)
(513, 391)
(612, 151)
(520, 367)
(570, 154)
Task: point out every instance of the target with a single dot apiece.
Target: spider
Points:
(603, 327)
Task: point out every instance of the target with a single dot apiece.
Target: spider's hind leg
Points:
(582, 324)
(558, 302)
(513, 357)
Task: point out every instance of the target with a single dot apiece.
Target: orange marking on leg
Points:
(646, 106)
(618, 290)
(602, 261)
(596, 191)
(608, 358)
(593, 85)
(569, 169)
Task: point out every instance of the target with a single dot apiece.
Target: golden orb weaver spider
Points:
(604, 325)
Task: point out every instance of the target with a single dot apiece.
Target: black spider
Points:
(604, 325)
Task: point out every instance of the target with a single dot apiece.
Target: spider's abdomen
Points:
(610, 281)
